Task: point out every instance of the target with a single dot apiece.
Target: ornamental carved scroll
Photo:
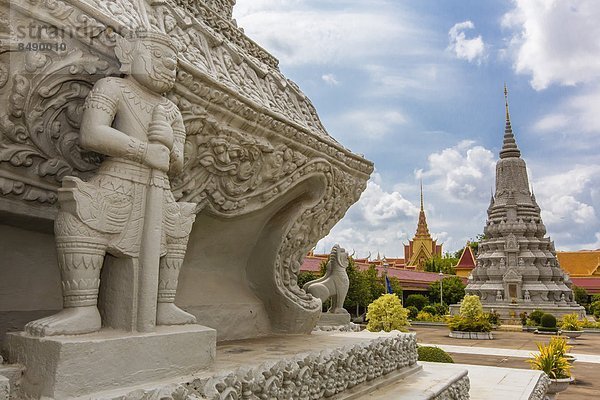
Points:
(44, 93)
(231, 170)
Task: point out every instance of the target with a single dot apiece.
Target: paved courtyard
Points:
(511, 349)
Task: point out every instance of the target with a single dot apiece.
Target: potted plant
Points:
(471, 322)
(561, 347)
(571, 327)
(555, 365)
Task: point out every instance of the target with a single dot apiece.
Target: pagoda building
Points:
(422, 247)
(517, 269)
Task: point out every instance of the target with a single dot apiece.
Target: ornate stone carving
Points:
(313, 375)
(252, 135)
(334, 284)
(127, 208)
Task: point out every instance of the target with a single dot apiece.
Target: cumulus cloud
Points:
(330, 79)
(472, 50)
(299, 33)
(555, 41)
(568, 200)
(464, 172)
(377, 222)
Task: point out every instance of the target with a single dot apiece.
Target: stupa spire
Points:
(509, 147)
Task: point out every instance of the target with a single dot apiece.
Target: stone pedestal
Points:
(331, 319)
(62, 367)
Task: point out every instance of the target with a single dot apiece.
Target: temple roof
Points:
(579, 263)
(467, 259)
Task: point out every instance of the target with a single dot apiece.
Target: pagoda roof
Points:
(579, 263)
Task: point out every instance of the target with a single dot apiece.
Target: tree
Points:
(374, 283)
(580, 295)
(446, 264)
(359, 294)
(386, 314)
(474, 244)
(304, 277)
(417, 300)
(453, 290)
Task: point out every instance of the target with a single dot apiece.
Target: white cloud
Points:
(564, 198)
(330, 79)
(472, 50)
(301, 33)
(373, 123)
(555, 41)
(377, 222)
(463, 172)
(574, 116)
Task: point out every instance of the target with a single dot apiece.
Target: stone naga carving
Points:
(334, 284)
(127, 209)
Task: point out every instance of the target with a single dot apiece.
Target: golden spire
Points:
(421, 194)
(422, 229)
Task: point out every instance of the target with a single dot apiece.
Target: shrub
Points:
(462, 324)
(471, 307)
(523, 317)
(493, 317)
(433, 354)
(430, 309)
(551, 361)
(428, 317)
(536, 317)
(595, 308)
(570, 322)
(387, 314)
(417, 300)
(412, 312)
(440, 309)
(548, 321)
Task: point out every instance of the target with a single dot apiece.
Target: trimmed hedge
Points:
(536, 316)
(433, 354)
(548, 321)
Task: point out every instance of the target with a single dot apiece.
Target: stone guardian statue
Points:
(127, 209)
(334, 284)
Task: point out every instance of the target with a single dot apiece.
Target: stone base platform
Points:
(509, 313)
(335, 365)
(471, 335)
(331, 319)
(64, 367)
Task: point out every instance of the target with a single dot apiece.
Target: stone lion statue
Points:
(334, 284)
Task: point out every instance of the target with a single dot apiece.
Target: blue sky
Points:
(417, 87)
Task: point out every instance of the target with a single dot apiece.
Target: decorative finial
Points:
(509, 147)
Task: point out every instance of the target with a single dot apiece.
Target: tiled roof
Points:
(311, 264)
(591, 285)
(407, 277)
(579, 263)
(467, 259)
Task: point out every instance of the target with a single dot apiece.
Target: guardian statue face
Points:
(154, 66)
(151, 60)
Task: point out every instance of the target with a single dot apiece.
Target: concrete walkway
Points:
(512, 349)
(490, 351)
